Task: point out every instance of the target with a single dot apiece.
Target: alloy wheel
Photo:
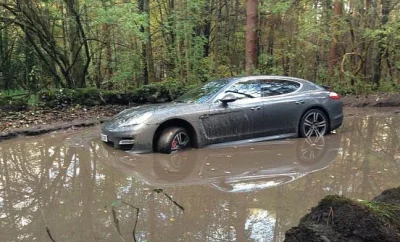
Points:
(180, 141)
(314, 124)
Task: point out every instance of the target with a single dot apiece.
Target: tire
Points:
(173, 139)
(314, 123)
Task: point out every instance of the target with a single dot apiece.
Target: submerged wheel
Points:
(313, 123)
(173, 139)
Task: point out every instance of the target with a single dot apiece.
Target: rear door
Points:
(282, 106)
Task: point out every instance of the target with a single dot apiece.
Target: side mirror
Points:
(228, 98)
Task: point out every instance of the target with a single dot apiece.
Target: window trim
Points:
(284, 94)
(219, 95)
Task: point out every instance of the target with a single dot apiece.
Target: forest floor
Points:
(44, 120)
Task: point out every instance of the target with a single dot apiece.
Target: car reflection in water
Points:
(231, 169)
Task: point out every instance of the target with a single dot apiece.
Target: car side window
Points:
(246, 89)
(277, 87)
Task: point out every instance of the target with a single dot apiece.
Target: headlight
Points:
(137, 120)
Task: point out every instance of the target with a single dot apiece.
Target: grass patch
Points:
(385, 210)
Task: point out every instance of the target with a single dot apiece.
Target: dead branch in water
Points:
(137, 211)
(47, 227)
(170, 198)
(116, 223)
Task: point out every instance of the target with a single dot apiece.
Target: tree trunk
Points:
(75, 46)
(168, 34)
(4, 59)
(30, 78)
(108, 70)
(147, 50)
(380, 44)
(333, 50)
(251, 36)
(234, 60)
(216, 36)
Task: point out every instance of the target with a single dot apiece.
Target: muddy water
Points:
(69, 182)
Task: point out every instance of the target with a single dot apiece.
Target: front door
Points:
(237, 120)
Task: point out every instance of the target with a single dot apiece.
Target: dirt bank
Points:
(340, 219)
(34, 122)
(376, 100)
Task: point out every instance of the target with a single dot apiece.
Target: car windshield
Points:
(203, 92)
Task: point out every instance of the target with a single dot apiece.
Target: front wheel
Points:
(314, 123)
(173, 139)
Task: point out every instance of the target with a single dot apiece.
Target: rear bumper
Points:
(336, 121)
(142, 138)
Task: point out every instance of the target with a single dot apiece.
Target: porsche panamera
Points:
(228, 111)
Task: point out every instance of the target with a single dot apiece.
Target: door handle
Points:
(255, 108)
(299, 102)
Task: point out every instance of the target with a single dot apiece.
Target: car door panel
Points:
(281, 114)
(238, 120)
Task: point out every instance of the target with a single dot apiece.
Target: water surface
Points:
(69, 182)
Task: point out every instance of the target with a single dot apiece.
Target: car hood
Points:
(137, 111)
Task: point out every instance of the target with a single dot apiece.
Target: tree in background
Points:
(334, 47)
(147, 49)
(251, 35)
(116, 44)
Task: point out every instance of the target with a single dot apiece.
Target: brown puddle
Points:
(69, 182)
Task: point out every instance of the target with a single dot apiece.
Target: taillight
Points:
(334, 96)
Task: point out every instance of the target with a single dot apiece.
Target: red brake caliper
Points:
(174, 143)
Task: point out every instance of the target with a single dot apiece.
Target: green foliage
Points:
(123, 15)
(344, 87)
(384, 210)
(64, 97)
(389, 87)
(87, 96)
(56, 97)
(153, 93)
(13, 103)
(116, 203)
(195, 41)
(276, 7)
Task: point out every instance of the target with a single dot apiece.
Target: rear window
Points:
(277, 87)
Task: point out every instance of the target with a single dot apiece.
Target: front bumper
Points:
(142, 138)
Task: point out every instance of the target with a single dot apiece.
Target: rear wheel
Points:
(173, 139)
(314, 123)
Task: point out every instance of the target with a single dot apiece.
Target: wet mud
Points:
(33, 122)
(339, 219)
(372, 100)
(82, 190)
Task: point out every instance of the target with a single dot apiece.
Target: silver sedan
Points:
(228, 111)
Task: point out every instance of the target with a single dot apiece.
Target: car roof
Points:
(273, 77)
(254, 77)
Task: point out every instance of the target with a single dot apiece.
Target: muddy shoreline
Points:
(40, 121)
(372, 100)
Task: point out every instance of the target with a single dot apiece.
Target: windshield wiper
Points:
(242, 93)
